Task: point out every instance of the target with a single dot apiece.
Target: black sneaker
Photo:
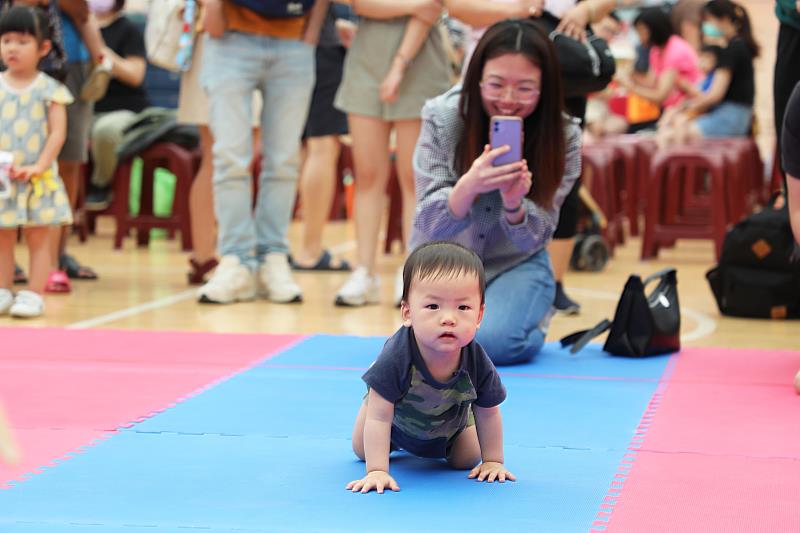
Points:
(563, 303)
(98, 198)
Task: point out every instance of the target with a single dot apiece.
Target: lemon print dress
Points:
(42, 201)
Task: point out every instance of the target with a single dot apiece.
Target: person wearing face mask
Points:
(726, 108)
(506, 214)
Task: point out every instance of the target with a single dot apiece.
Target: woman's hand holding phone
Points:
(515, 192)
(483, 176)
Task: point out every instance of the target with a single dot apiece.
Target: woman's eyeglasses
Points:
(523, 94)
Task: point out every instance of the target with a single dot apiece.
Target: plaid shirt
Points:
(485, 229)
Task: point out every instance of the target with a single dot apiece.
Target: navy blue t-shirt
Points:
(429, 414)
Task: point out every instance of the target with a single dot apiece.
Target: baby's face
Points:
(444, 312)
(706, 62)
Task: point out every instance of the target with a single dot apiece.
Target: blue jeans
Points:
(516, 303)
(728, 119)
(282, 70)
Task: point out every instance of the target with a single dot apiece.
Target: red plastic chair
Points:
(627, 170)
(183, 164)
(678, 208)
(603, 187)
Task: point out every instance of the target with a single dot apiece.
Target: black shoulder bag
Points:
(585, 67)
(644, 324)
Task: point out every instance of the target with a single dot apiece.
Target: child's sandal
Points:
(58, 282)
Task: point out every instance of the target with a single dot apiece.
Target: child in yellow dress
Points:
(33, 127)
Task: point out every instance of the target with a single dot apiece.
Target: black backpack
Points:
(757, 276)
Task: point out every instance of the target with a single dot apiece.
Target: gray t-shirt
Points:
(429, 414)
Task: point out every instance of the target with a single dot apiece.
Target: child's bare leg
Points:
(691, 132)
(358, 431)
(38, 240)
(465, 453)
(7, 239)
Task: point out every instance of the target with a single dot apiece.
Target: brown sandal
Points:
(199, 270)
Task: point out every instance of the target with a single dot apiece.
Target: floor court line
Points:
(168, 300)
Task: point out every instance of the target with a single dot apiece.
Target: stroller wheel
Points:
(590, 253)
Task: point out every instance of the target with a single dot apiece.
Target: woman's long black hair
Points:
(545, 145)
(738, 16)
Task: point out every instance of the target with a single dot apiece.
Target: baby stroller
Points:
(591, 250)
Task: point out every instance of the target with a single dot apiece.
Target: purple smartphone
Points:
(506, 130)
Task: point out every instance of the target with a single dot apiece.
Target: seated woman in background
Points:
(124, 98)
(506, 213)
(672, 62)
(726, 108)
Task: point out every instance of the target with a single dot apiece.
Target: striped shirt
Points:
(485, 229)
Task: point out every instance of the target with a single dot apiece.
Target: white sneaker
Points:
(398, 287)
(275, 280)
(361, 288)
(232, 282)
(27, 304)
(6, 300)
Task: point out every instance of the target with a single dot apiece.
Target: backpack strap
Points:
(579, 339)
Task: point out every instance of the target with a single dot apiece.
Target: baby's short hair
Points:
(442, 259)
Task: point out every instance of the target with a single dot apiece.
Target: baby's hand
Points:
(377, 480)
(391, 83)
(489, 471)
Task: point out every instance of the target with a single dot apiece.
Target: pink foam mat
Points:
(138, 346)
(63, 388)
(41, 447)
(736, 402)
(720, 450)
(691, 493)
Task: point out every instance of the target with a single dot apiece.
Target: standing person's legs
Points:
(317, 188)
(73, 154)
(787, 75)
(407, 135)
(371, 161)
(193, 109)
(201, 209)
(518, 309)
(286, 87)
(322, 148)
(230, 73)
(560, 249)
(8, 238)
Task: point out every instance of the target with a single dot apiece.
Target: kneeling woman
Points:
(505, 213)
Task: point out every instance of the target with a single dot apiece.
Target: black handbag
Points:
(585, 67)
(644, 324)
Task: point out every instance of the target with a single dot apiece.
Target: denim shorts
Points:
(728, 119)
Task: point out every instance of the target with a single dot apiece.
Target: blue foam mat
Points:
(267, 484)
(359, 352)
(279, 402)
(269, 450)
